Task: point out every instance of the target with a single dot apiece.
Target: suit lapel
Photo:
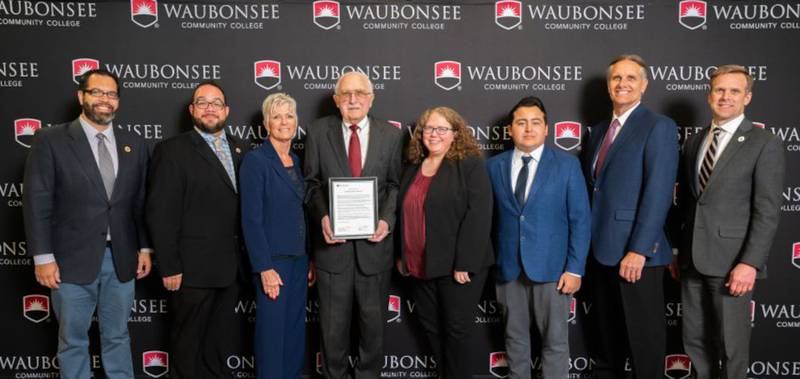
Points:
(734, 144)
(373, 146)
(691, 160)
(336, 139)
(629, 129)
(125, 156)
(277, 166)
(202, 148)
(543, 169)
(85, 158)
(505, 177)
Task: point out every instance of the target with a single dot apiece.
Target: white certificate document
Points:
(353, 207)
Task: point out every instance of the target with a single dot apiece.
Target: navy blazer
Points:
(550, 234)
(632, 193)
(273, 221)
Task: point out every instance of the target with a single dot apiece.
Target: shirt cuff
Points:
(572, 274)
(674, 251)
(146, 250)
(42, 259)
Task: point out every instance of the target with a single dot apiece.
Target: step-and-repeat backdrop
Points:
(478, 57)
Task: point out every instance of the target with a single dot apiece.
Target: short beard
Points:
(98, 118)
(210, 129)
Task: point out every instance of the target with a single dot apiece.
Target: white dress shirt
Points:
(726, 133)
(363, 138)
(516, 166)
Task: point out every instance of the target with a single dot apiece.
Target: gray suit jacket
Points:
(67, 212)
(326, 157)
(734, 220)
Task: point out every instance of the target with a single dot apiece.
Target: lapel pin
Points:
(126, 149)
(741, 139)
(238, 150)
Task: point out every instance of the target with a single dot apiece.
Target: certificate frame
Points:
(365, 221)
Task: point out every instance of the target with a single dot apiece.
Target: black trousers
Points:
(202, 332)
(628, 321)
(445, 310)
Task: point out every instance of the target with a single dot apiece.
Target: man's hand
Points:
(381, 232)
(145, 264)
(271, 283)
(312, 273)
(462, 277)
(673, 268)
(327, 232)
(48, 275)
(630, 268)
(741, 279)
(569, 284)
(173, 283)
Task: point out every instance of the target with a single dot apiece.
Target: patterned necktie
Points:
(607, 142)
(522, 181)
(354, 157)
(709, 160)
(105, 164)
(225, 159)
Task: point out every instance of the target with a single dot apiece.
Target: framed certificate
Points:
(353, 207)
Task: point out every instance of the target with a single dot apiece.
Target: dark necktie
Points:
(709, 160)
(105, 164)
(354, 156)
(522, 181)
(607, 141)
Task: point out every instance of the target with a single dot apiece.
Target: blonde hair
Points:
(733, 69)
(275, 100)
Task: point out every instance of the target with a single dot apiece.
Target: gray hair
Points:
(352, 73)
(275, 100)
(629, 57)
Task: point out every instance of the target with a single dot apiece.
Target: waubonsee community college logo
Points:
(396, 124)
(394, 308)
(692, 14)
(155, 363)
(796, 254)
(447, 74)
(508, 14)
(498, 364)
(267, 74)
(326, 14)
(677, 366)
(36, 308)
(572, 308)
(568, 134)
(24, 129)
(81, 65)
(144, 12)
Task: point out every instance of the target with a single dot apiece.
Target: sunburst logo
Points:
(692, 14)
(36, 308)
(396, 124)
(677, 366)
(796, 254)
(394, 308)
(155, 363)
(326, 14)
(498, 364)
(24, 128)
(447, 74)
(267, 74)
(81, 65)
(568, 135)
(508, 14)
(144, 12)
(573, 306)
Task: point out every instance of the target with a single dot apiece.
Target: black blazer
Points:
(67, 212)
(193, 211)
(458, 217)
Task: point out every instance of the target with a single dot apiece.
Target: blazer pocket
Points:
(624, 214)
(732, 232)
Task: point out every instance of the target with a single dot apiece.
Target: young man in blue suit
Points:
(541, 236)
(630, 166)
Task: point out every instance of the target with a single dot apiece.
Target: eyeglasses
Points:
(439, 130)
(216, 105)
(96, 92)
(360, 95)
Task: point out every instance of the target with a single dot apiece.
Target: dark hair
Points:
(529, 101)
(83, 80)
(209, 83)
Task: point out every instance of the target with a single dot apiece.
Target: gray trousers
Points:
(523, 300)
(716, 326)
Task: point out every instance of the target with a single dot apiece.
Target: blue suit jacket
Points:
(273, 221)
(550, 234)
(632, 193)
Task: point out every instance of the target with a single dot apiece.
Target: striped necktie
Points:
(709, 160)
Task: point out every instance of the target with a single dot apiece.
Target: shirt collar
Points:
(730, 126)
(363, 125)
(208, 137)
(91, 132)
(536, 154)
(624, 117)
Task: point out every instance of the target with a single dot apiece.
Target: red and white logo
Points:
(144, 12)
(796, 254)
(447, 74)
(155, 363)
(81, 65)
(759, 125)
(677, 366)
(267, 74)
(498, 364)
(572, 308)
(36, 308)
(568, 134)
(326, 14)
(396, 124)
(394, 308)
(24, 128)
(692, 14)
(508, 14)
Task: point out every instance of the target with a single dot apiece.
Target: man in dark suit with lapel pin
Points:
(541, 238)
(352, 272)
(193, 217)
(731, 182)
(630, 167)
(84, 205)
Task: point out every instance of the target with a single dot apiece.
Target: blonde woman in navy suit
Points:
(274, 225)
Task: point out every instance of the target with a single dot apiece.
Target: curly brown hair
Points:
(464, 144)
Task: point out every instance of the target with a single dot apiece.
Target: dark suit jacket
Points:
(734, 220)
(458, 217)
(67, 212)
(193, 211)
(273, 219)
(326, 157)
(550, 234)
(632, 194)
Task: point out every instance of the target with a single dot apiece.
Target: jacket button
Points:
(522, 218)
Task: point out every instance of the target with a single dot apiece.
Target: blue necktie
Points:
(522, 181)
